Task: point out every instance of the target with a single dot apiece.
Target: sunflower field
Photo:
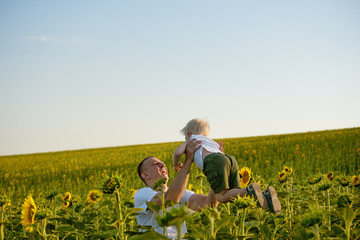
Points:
(88, 194)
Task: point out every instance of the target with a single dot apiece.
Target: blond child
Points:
(221, 170)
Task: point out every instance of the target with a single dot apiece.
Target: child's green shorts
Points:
(221, 171)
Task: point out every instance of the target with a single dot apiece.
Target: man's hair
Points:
(196, 126)
(141, 168)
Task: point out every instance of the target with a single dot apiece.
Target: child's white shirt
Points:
(207, 143)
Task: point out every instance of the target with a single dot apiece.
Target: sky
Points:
(91, 74)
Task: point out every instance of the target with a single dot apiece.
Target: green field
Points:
(310, 154)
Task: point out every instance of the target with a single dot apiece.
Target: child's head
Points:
(196, 126)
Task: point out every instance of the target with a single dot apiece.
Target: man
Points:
(152, 169)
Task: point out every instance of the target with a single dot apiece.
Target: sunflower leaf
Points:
(153, 206)
(79, 225)
(64, 228)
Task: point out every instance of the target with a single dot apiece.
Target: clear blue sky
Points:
(88, 74)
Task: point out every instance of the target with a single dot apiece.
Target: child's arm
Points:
(177, 155)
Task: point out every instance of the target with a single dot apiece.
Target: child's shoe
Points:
(255, 190)
(272, 200)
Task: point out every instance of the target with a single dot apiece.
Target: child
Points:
(220, 169)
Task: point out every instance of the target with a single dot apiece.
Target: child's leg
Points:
(228, 194)
(253, 190)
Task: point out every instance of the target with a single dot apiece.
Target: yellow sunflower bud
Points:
(282, 176)
(355, 181)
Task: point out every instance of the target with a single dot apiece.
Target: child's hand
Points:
(177, 156)
(221, 146)
(178, 167)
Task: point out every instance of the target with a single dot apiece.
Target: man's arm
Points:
(178, 185)
(198, 202)
(177, 155)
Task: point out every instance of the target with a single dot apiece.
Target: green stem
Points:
(212, 232)
(328, 199)
(313, 189)
(55, 222)
(228, 209)
(178, 226)
(163, 207)
(43, 230)
(288, 208)
(273, 236)
(317, 232)
(97, 223)
(243, 216)
(237, 219)
(120, 220)
(2, 223)
(54, 207)
(348, 222)
(329, 208)
(348, 235)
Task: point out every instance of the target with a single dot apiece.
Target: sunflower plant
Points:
(216, 222)
(288, 170)
(285, 175)
(66, 199)
(158, 186)
(5, 203)
(245, 177)
(314, 179)
(344, 200)
(329, 176)
(240, 207)
(311, 221)
(282, 176)
(94, 196)
(348, 216)
(35, 217)
(28, 212)
(112, 185)
(175, 216)
(345, 181)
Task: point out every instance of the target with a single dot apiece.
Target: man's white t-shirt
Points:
(147, 217)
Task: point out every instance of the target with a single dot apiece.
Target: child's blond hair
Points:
(196, 126)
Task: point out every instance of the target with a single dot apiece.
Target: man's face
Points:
(156, 169)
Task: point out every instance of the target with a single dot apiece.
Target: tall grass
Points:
(80, 170)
